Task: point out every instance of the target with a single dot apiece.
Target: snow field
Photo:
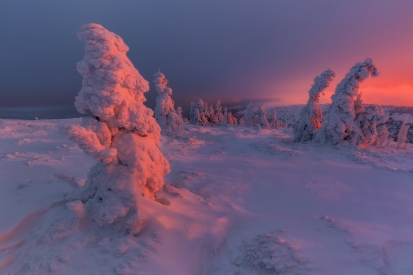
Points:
(237, 201)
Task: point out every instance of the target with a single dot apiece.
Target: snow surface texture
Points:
(311, 114)
(170, 121)
(121, 135)
(238, 201)
(341, 122)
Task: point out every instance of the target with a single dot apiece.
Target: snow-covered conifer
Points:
(341, 123)
(224, 120)
(210, 113)
(200, 113)
(274, 122)
(402, 135)
(179, 112)
(165, 114)
(311, 114)
(120, 133)
(262, 117)
(218, 115)
(368, 121)
(231, 119)
(383, 136)
(249, 116)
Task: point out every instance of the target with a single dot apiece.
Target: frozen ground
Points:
(238, 201)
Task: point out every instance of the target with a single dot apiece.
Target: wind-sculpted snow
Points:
(165, 114)
(270, 254)
(121, 134)
(340, 124)
(311, 114)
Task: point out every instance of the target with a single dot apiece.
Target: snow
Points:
(238, 200)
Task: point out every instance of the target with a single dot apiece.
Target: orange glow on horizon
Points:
(398, 95)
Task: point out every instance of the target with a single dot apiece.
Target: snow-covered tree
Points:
(218, 115)
(120, 133)
(383, 136)
(224, 119)
(255, 116)
(250, 115)
(231, 119)
(274, 122)
(368, 121)
(200, 113)
(261, 116)
(165, 114)
(311, 114)
(402, 135)
(341, 123)
(179, 112)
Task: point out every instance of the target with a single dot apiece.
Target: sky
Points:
(235, 51)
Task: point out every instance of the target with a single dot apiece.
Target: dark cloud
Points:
(236, 51)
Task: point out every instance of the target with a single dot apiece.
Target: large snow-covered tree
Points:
(311, 114)
(341, 123)
(165, 114)
(120, 133)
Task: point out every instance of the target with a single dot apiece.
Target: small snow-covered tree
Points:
(165, 114)
(224, 119)
(200, 113)
(402, 135)
(274, 122)
(120, 133)
(179, 112)
(311, 114)
(341, 123)
(249, 116)
(383, 136)
(231, 119)
(218, 115)
(368, 121)
(261, 117)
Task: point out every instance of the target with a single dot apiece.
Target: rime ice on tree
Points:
(218, 115)
(367, 120)
(255, 116)
(200, 113)
(250, 115)
(311, 114)
(165, 114)
(402, 135)
(224, 120)
(121, 134)
(341, 121)
(274, 122)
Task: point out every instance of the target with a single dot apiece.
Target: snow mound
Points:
(270, 254)
(397, 258)
(275, 149)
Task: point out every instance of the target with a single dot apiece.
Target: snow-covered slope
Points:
(238, 201)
